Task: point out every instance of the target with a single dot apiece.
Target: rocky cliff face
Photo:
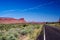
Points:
(5, 20)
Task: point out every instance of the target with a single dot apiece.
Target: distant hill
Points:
(7, 20)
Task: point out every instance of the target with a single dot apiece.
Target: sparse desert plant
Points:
(15, 31)
(12, 34)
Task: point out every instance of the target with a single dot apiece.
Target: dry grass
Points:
(36, 30)
(33, 36)
(54, 25)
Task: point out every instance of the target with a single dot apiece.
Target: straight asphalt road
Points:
(52, 33)
(49, 33)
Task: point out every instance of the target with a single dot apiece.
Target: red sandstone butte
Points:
(5, 20)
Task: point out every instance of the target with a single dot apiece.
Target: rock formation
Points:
(6, 20)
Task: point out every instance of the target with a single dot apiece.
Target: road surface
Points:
(51, 33)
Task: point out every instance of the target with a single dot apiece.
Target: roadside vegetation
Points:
(57, 24)
(20, 31)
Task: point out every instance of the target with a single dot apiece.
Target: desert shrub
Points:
(26, 30)
(37, 26)
(30, 29)
(12, 34)
(2, 36)
(14, 31)
(23, 32)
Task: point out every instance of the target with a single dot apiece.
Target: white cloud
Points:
(37, 7)
(8, 11)
(7, 15)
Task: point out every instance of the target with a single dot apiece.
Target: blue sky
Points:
(31, 10)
